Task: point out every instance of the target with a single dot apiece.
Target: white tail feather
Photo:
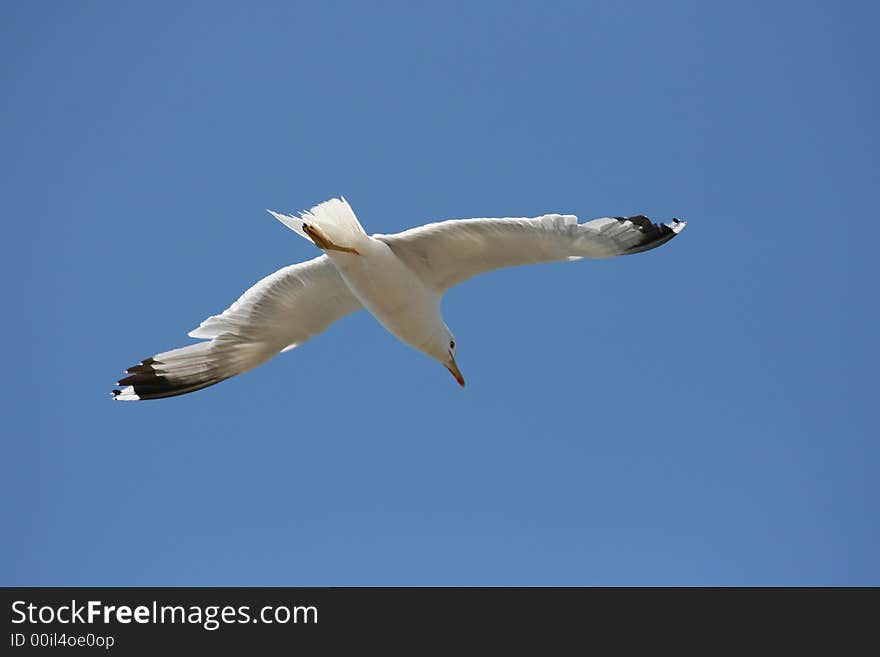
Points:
(335, 219)
(294, 223)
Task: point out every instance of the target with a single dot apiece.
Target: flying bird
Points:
(399, 278)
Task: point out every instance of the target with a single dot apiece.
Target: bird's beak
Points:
(453, 368)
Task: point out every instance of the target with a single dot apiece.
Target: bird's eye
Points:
(452, 344)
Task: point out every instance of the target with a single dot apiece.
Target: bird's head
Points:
(442, 349)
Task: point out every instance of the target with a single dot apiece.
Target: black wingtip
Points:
(145, 382)
(653, 235)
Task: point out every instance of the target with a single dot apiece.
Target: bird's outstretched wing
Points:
(278, 313)
(444, 254)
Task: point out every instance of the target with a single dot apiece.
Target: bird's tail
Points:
(334, 219)
(191, 368)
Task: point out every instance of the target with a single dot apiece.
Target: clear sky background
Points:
(700, 414)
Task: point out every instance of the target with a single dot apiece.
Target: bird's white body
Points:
(391, 291)
(399, 278)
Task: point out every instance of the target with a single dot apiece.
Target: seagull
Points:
(399, 278)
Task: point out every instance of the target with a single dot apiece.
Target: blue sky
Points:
(699, 414)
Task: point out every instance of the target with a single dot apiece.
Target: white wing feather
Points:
(448, 252)
(285, 308)
(279, 313)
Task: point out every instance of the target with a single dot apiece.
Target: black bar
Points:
(420, 619)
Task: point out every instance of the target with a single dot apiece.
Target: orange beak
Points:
(453, 368)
